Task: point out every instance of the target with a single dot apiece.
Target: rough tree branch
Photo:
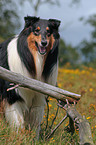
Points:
(35, 85)
(83, 125)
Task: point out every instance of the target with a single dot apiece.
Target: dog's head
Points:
(42, 34)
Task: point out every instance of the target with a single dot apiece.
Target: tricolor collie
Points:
(34, 54)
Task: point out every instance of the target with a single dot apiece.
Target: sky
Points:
(72, 30)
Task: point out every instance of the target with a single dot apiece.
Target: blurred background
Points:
(77, 30)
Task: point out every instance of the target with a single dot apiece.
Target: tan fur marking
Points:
(51, 41)
(33, 49)
(31, 41)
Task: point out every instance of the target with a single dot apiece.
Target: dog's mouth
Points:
(41, 49)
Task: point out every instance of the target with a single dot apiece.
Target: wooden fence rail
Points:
(36, 85)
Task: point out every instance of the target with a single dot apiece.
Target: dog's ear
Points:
(30, 20)
(54, 23)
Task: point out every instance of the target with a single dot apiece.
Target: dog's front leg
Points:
(36, 113)
(14, 115)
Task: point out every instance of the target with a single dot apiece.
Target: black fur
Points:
(29, 21)
(24, 53)
(3, 53)
(50, 62)
(10, 96)
(3, 62)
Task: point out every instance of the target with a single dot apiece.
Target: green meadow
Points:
(80, 81)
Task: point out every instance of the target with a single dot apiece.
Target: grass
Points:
(77, 81)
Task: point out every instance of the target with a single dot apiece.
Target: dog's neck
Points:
(39, 64)
(39, 61)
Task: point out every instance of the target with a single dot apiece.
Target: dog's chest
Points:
(16, 65)
(39, 64)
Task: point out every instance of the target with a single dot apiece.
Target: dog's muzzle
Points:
(42, 48)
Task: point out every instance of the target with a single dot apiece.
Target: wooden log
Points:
(36, 85)
(84, 127)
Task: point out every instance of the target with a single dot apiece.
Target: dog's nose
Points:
(44, 43)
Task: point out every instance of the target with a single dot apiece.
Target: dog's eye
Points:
(48, 32)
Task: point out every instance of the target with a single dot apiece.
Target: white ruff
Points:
(14, 61)
(39, 65)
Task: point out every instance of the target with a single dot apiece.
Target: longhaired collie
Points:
(34, 54)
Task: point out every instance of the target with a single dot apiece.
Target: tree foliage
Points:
(67, 54)
(9, 19)
(92, 22)
(9, 16)
(88, 48)
(37, 3)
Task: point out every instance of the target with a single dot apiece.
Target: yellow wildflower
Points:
(59, 85)
(77, 132)
(88, 117)
(66, 124)
(90, 89)
(51, 138)
(90, 68)
(52, 115)
(55, 123)
(50, 99)
(50, 105)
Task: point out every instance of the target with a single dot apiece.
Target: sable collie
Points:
(34, 54)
